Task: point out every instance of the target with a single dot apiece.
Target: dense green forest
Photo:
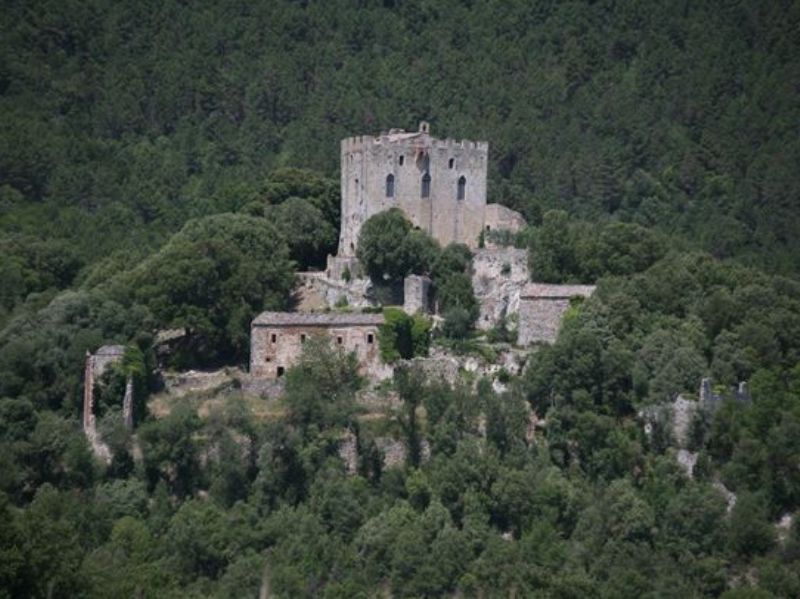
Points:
(171, 164)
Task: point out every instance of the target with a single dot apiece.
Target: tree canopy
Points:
(170, 164)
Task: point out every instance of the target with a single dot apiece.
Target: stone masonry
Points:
(416, 294)
(277, 338)
(94, 367)
(498, 277)
(542, 307)
(439, 184)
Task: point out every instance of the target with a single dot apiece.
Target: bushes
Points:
(403, 336)
(212, 278)
(390, 249)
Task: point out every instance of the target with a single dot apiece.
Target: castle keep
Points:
(439, 184)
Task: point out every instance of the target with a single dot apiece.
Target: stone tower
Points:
(440, 184)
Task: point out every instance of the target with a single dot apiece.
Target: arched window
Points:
(462, 188)
(425, 191)
(389, 186)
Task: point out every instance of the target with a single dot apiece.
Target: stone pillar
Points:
(705, 391)
(88, 394)
(743, 392)
(416, 294)
(127, 404)
(348, 451)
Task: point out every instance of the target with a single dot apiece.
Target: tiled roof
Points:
(319, 319)
(546, 291)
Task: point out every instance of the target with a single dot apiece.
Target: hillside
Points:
(166, 168)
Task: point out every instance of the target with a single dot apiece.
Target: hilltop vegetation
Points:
(170, 165)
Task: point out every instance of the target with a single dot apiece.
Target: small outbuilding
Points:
(277, 338)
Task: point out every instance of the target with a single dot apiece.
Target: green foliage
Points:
(454, 258)
(402, 336)
(320, 388)
(310, 237)
(750, 533)
(212, 278)
(391, 249)
(562, 249)
(632, 137)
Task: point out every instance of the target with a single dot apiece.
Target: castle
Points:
(439, 184)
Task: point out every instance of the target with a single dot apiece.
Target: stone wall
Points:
(498, 277)
(416, 294)
(542, 309)
(316, 291)
(277, 338)
(367, 162)
(342, 268)
(500, 218)
(94, 367)
(540, 319)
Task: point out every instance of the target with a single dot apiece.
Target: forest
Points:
(173, 165)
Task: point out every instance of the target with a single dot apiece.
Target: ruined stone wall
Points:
(274, 349)
(94, 367)
(498, 277)
(367, 161)
(416, 294)
(542, 307)
(501, 218)
(540, 319)
(316, 291)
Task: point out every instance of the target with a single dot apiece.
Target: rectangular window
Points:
(302, 337)
(339, 340)
(280, 371)
(274, 338)
(370, 338)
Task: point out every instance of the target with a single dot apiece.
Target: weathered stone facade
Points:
(500, 218)
(498, 277)
(94, 367)
(541, 309)
(439, 184)
(96, 364)
(277, 338)
(416, 294)
(317, 291)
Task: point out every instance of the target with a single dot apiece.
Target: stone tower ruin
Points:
(440, 184)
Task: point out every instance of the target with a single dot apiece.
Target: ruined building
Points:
(277, 338)
(95, 365)
(439, 184)
(542, 307)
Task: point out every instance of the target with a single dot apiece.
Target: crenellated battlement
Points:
(413, 139)
(439, 184)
